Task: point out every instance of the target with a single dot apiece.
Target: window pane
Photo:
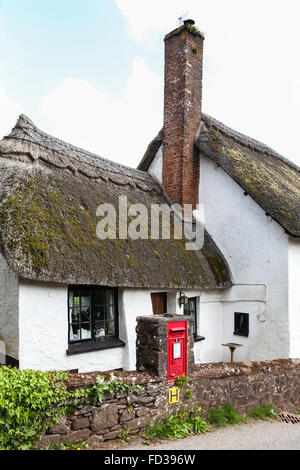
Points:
(99, 313)
(86, 332)
(79, 315)
(100, 329)
(74, 332)
(110, 296)
(85, 303)
(99, 297)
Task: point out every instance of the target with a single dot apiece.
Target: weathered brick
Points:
(182, 110)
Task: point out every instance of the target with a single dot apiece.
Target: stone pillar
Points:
(152, 343)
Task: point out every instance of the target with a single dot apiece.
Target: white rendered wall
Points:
(294, 296)
(215, 320)
(256, 249)
(9, 331)
(44, 329)
(44, 333)
(133, 303)
(156, 164)
(136, 303)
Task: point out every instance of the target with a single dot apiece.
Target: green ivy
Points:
(30, 403)
(112, 386)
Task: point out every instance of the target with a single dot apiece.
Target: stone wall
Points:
(245, 385)
(152, 343)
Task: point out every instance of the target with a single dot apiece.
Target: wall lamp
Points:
(182, 299)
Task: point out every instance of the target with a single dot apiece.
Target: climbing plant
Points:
(30, 403)
(112, 385)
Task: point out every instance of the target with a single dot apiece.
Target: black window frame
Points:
(188, 312)
(94, 343)
(241, 331)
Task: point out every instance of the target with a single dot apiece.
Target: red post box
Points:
(177, 350)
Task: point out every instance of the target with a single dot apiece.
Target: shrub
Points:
(178, 426)
(224, 416)
(30, 403)
(263, 412)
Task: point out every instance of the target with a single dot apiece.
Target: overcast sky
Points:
(91, 71)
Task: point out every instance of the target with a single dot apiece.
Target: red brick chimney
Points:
(182, 111)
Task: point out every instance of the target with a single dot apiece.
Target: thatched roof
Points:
(49, 193)
(270, 179)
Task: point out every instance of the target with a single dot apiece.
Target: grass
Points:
(221, 417)
(178, 426)
(186, 423)
(263, 412)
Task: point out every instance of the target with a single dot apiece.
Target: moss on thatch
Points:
(271, 180)
(48, 221)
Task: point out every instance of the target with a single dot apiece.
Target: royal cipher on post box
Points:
(165, 345)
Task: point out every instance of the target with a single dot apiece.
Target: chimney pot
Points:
(189, 22)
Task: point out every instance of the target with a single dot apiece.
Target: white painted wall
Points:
(156, 164)
(294, 296)
(256, 249)
(135, 303)
(216, 322)
(9, 331)
(43, 327)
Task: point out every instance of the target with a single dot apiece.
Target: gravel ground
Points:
(258, 435)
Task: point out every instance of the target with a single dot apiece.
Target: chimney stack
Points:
(182, 113)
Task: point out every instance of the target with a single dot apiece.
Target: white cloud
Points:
(9, 111)
(251, 68)
(116, 129)
(155, 16)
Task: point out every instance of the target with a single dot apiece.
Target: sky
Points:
(91, 71)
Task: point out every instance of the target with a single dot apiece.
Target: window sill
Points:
(197, 339)
(94, 346)
(241, 333)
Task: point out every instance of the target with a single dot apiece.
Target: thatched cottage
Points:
(69, 300)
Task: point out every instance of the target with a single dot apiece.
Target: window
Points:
(93, 317)
(241, 324)
(159, 303)
(190, 308)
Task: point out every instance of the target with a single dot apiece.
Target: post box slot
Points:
(177, 330)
